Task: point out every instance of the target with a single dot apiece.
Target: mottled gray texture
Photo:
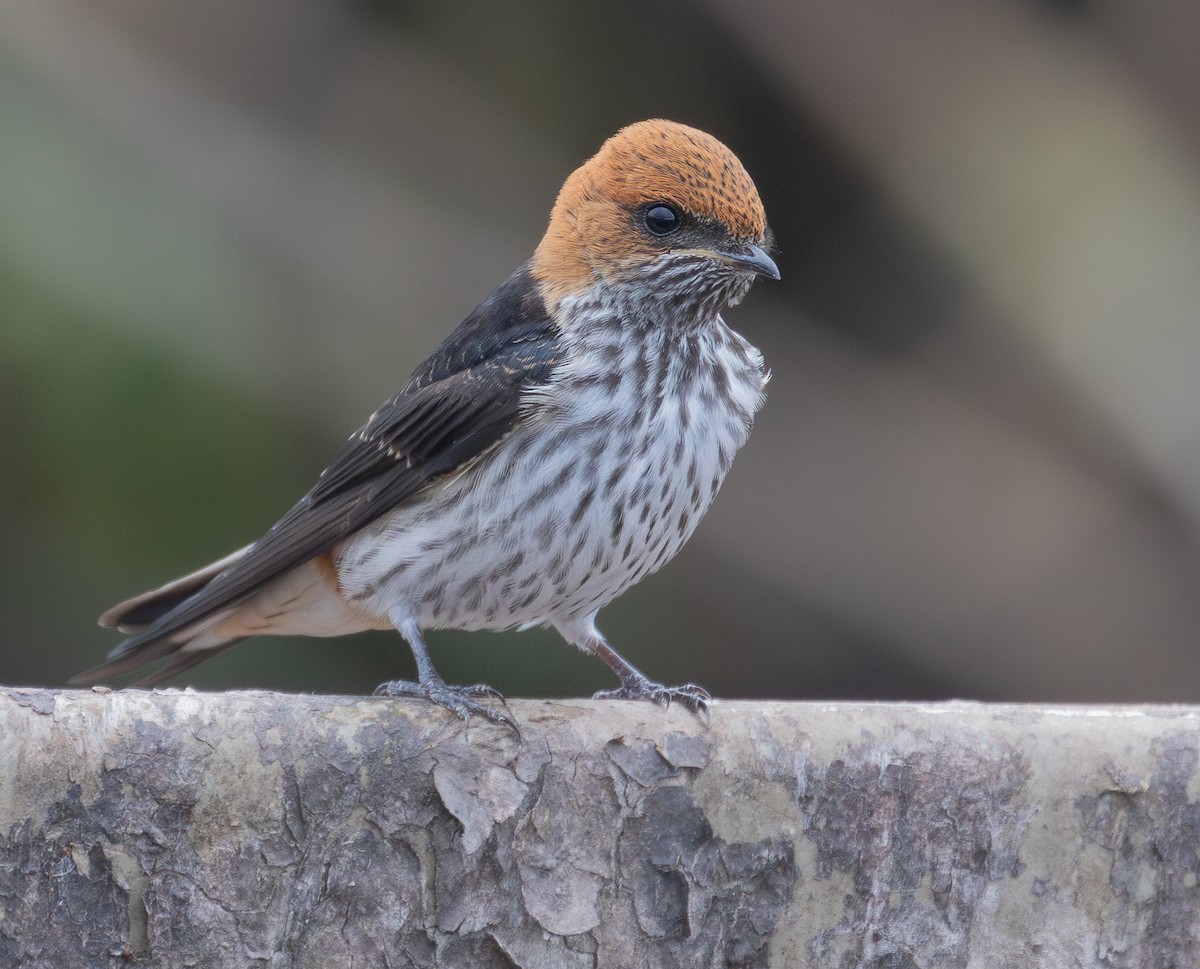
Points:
(253, 829)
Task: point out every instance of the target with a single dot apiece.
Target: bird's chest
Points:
(655, 426)
(662, 408)
(620, 458)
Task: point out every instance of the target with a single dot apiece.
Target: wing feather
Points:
(466, 396)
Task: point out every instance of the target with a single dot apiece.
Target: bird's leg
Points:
(635, 685)
(463, 701)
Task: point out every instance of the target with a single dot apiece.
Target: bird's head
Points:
(663, 219)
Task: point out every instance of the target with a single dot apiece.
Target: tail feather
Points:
(181, 659)
(188, 620)
(186, 647)
(141, 611)
(189, 646)
(184, 660)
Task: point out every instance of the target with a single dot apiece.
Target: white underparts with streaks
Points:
(620, 457)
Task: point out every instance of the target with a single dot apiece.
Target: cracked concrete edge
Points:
(263, 829)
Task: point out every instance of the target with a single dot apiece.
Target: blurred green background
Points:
(228, 230)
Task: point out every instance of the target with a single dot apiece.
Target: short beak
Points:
(754, 259)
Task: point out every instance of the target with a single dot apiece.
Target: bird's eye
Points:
(662, 219)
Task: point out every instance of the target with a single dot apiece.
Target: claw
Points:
(462, 701)
(694, 697)
(482, 689)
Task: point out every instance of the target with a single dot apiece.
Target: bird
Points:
(560, 445)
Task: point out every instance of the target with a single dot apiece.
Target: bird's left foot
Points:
(462, 701)
(694, 697)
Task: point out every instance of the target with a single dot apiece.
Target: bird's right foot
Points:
(694, 697)
(463, 701)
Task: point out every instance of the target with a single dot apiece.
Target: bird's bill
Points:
(753, 258)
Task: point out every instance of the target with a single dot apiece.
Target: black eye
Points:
(662, 219)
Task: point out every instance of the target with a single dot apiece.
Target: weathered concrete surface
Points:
(251, 829)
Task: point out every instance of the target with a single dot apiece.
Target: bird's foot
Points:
(463, 701)
(694, 697)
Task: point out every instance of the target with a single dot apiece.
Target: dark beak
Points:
(754, 259)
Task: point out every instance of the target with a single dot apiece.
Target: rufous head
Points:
(659, 206)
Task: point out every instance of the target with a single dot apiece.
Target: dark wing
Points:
(464, 398)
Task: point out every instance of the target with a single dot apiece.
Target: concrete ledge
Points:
(259, 829)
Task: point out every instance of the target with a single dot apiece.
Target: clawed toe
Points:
(689, 695)
(463, 701)
(482, 689)
(398, 688)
